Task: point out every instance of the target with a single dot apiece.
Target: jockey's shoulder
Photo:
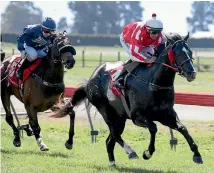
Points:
(32, 28)
(134, 24)
(140, 23)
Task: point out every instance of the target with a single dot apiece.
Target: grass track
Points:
(86, 157)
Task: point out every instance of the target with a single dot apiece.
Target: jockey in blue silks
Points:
(34, 42)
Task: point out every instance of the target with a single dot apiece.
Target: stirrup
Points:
(118, 84)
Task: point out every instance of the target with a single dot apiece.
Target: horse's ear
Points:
(169, 40)
(186, 37)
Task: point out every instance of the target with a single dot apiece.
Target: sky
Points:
(172, 13)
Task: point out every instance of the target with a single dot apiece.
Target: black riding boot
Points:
(24, 65)
(119, 82)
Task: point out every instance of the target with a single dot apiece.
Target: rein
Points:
(152, 84)
(170, 54)
(172, 59)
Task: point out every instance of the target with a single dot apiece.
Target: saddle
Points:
(15, 63)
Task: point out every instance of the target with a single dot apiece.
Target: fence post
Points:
(101, 57)
(83, 58)
(118, 56)
(13, 51)
(198, 61)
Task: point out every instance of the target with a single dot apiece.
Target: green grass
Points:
(203, 83)
(86, 157)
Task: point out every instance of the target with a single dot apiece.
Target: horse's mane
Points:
(174, 36)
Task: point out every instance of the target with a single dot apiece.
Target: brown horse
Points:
(41, 89)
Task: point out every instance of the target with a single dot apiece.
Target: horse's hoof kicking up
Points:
(133, 155)
(44, 148)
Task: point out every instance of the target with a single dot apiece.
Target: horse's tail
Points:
(78, 97)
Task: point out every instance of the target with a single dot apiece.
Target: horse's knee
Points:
(182, 128)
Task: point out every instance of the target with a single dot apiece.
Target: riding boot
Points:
(24, 65)
(119, 82)
(128, 67)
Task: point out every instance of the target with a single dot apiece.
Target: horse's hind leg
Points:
(5, 97)
(116, 126)
(173, 122)
(33, 121)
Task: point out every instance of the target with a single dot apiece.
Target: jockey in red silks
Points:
(140, 41)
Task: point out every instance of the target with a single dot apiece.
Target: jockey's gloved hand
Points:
(151, 60)
(23, 53)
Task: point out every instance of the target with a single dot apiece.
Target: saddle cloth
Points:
(114, 73)
(15, 63)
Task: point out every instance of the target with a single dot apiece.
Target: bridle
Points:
(170, 53)
(58, 40)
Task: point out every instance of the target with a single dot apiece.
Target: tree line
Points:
(98, 17)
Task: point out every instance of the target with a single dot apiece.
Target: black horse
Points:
(149, 93)
(41, 89)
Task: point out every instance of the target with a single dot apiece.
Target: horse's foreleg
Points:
(174, 123)
(183, 130)
(5, 97)
(151, 149)
(33, 121)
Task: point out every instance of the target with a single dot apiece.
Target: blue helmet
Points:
(49, 24)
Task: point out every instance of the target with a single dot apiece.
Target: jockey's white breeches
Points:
(144, 50)
(33, 54)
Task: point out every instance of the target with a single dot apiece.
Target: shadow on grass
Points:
(131, 170)
(39, 153)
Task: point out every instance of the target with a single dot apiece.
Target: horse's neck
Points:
(162, 75)
(51, 72)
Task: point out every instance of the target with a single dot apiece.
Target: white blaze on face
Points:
(185, 50)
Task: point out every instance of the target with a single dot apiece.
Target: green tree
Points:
(202, 16)
(18, 14)
(103, 17)
(62, 24)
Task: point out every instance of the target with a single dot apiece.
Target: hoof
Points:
(147, 155)
(133, 155)
(68, 146)
(44, 148)
(17, 143)
(197, 159)
(112, 164)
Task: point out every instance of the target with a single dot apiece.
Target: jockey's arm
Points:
(22, 38)
(135, 52)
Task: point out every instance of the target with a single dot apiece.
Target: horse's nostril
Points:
(191, 74)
